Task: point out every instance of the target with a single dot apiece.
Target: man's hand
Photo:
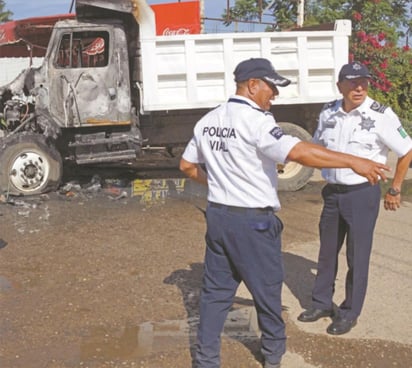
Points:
(392, 203)
(371, 170)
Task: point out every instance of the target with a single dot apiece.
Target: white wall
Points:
(10, 67)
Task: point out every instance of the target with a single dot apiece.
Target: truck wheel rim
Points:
(29, 171)
(289, 170)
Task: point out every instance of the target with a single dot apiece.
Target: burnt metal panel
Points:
(101, 8)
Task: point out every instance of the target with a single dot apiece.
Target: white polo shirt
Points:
(240, 145)
(369, 131)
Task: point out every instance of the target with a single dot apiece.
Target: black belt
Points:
(342, 188)
(250, 210)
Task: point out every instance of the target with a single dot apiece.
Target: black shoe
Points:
(313, 314)
(341, 326)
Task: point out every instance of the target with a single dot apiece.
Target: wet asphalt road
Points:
(95, 279)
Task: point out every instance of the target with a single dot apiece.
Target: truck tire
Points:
(294, 176)
(28, 165)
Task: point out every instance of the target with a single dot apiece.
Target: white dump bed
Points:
(196, 71)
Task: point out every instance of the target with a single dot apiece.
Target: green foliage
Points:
(324, 11)
(5, 15)
(374, 42)
(284, 12)
(399, 76)
(244, 9)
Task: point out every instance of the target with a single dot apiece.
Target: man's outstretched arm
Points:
(313, 155)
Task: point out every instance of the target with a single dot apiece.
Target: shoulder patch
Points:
(402, 132)
(276, 132)
(328, 105)
(376, 106)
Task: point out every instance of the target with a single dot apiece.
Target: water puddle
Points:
(137, 341)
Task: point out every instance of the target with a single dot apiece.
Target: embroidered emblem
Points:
(328, 105)
(376, 106)
(330, 124)
(402, 132)
(367, 123)
(277, 132)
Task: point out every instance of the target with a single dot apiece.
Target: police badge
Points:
(367, 123)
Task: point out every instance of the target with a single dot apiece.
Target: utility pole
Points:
(301, 11)
(202, 16)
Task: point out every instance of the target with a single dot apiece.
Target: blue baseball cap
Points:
(354, 70)
(261, 69)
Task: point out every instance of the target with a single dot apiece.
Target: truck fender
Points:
(47, 124)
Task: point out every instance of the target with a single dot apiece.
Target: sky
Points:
(36, 8)
(25, 9)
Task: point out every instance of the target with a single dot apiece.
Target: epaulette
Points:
(328, 105)
(376, 106)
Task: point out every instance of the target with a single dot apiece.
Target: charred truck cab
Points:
(110, 91)
(77, 106)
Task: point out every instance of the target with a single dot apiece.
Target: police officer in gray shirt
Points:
(240, 143)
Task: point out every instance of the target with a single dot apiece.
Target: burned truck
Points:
(112, 92)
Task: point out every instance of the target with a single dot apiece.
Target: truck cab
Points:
(88, 75)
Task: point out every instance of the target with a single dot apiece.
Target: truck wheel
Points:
(28, 165)
(294, 176)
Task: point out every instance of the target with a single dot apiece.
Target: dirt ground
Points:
(88, 279)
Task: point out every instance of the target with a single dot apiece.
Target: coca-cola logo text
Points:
(174, 32)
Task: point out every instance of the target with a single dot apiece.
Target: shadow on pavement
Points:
(299, 277)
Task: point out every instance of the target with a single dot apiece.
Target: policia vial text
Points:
(218, 132)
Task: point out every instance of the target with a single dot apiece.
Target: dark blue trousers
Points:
(352, 215)
(241, 247)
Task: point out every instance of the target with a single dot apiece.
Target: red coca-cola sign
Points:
(177, 18)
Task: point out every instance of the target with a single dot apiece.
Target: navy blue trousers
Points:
(351, 215)
(241, 247)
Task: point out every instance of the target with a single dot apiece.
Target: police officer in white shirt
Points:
(360, 126)
(239, 143)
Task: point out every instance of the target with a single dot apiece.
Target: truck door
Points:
(89, 80)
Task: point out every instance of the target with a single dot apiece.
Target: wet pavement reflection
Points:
(149, 338)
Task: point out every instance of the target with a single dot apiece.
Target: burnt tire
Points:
(294, 176)
(28, 165)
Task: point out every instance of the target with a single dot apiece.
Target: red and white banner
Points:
(177, 18)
